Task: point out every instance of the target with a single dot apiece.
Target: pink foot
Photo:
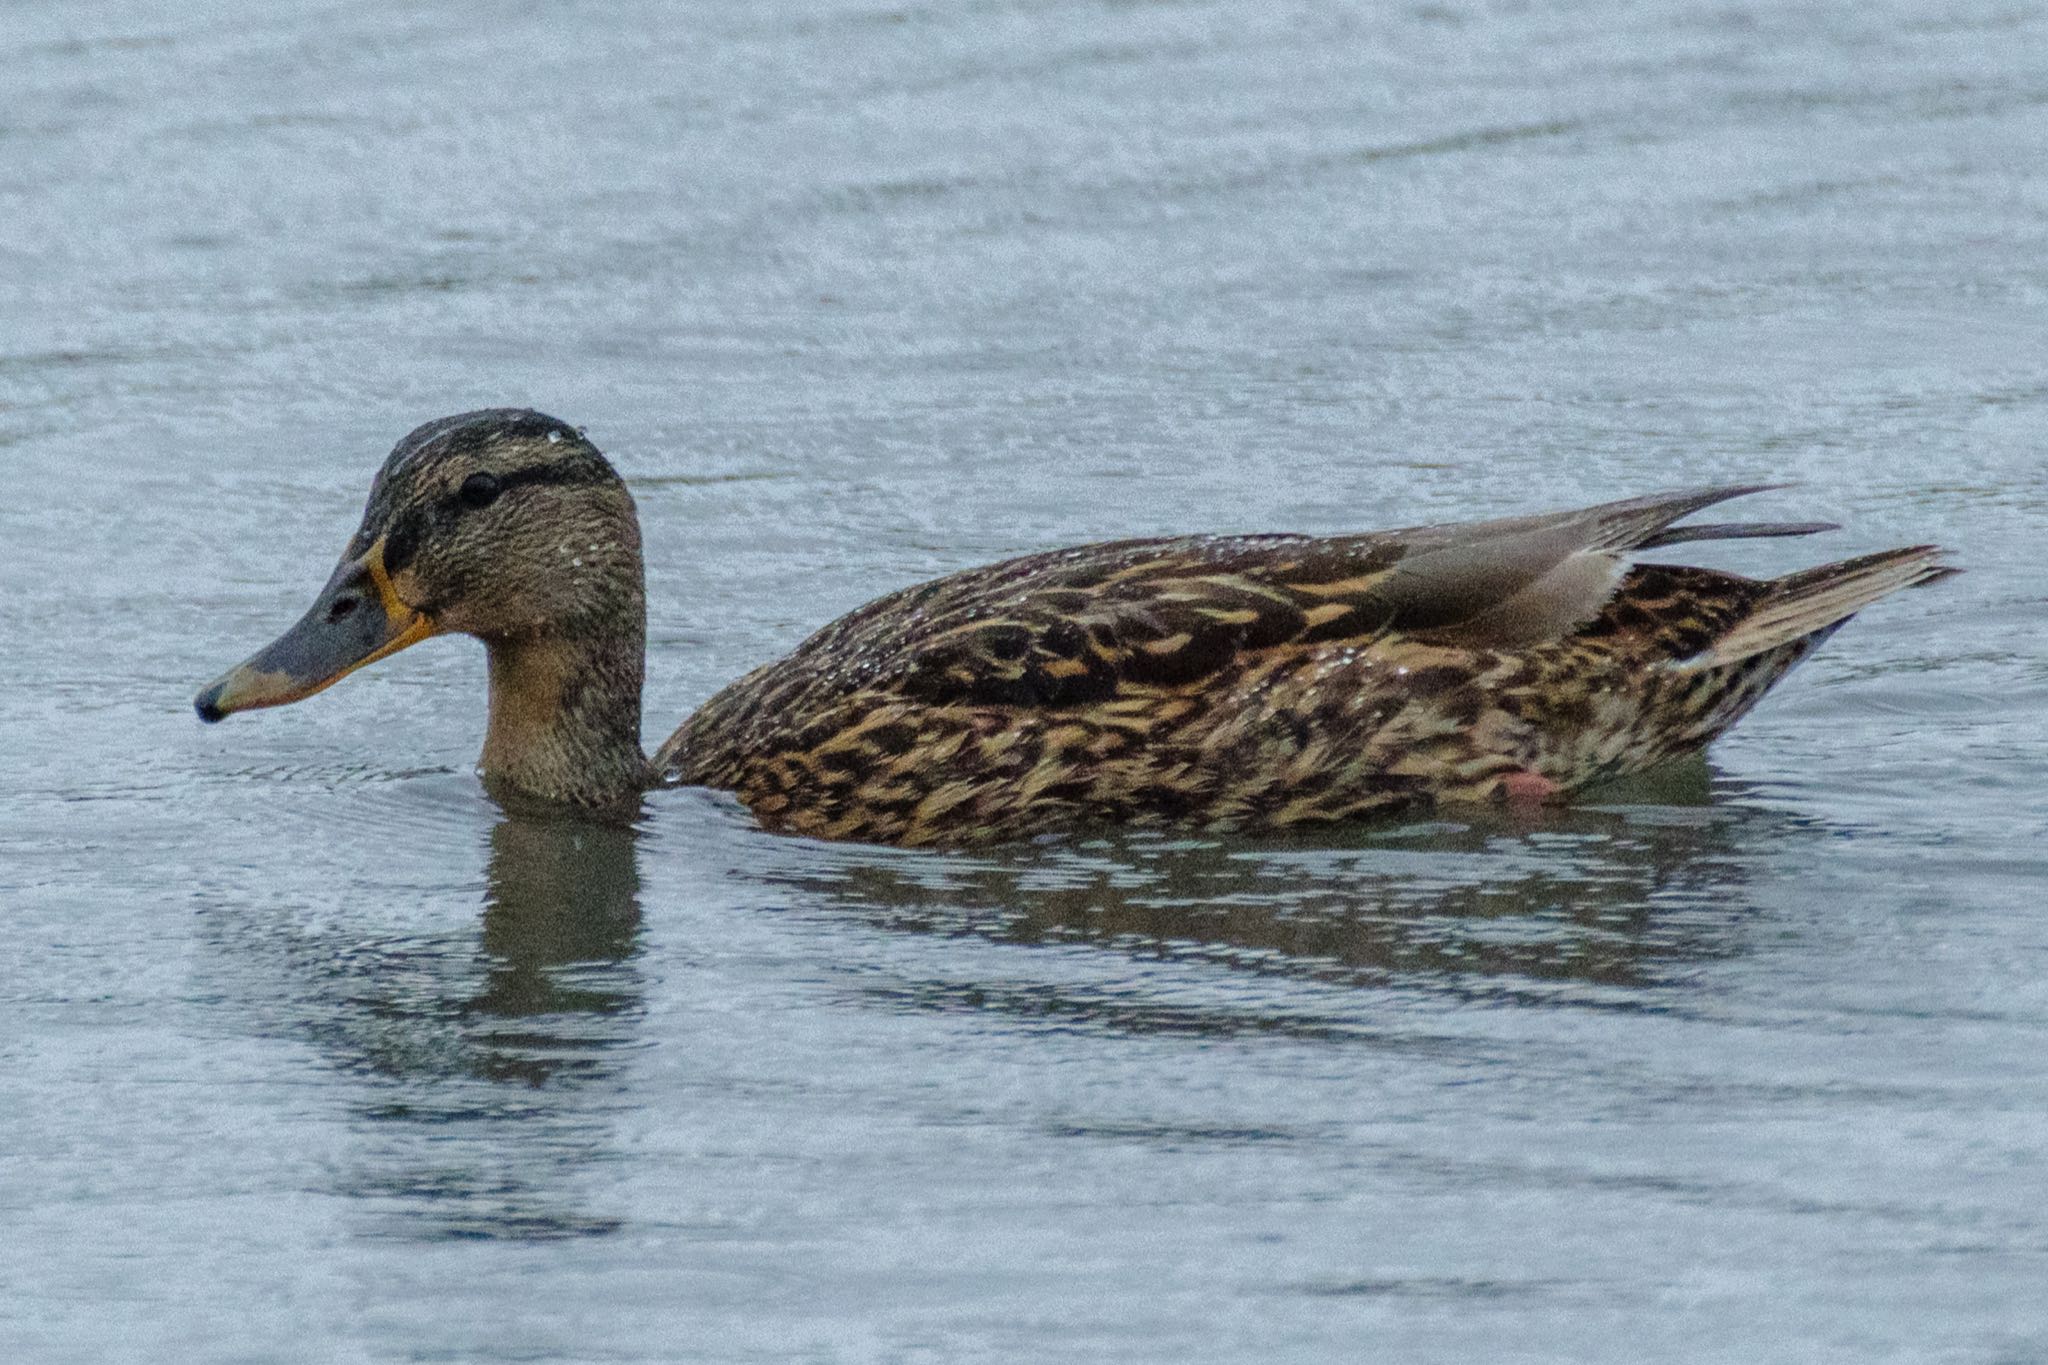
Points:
(1524, 788)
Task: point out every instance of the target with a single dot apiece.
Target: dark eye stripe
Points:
(570, 471)
(484, 488)
(405, 531)
(402, 540)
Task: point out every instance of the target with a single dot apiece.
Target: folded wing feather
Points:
(1083, 626)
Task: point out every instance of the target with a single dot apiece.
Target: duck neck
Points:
(565, 716)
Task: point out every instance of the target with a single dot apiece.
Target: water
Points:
(308, 1051)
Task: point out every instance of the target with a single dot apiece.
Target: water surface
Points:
(311, 1052)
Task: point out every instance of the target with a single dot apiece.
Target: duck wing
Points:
(1085, 625)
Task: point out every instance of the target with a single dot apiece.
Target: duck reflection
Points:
(561, 914)
(1606, 907)
(493, 1049)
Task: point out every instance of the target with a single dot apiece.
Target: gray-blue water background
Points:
(308, 1052)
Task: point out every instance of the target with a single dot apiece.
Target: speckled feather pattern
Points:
(1262, 683)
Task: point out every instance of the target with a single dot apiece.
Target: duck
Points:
(1247, 684)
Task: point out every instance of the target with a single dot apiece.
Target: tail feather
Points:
(1635, 523)
(1816, 599)
(1735, 530)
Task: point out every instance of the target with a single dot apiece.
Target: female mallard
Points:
(1226, 683)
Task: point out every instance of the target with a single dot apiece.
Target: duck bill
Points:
(357, 619)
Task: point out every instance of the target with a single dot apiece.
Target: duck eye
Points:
(479, 490)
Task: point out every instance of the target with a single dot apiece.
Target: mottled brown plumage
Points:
(1262, 683)
(1240, 683)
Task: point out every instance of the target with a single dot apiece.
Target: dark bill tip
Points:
(207, 704)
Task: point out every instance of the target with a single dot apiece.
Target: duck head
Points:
(508, 525)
